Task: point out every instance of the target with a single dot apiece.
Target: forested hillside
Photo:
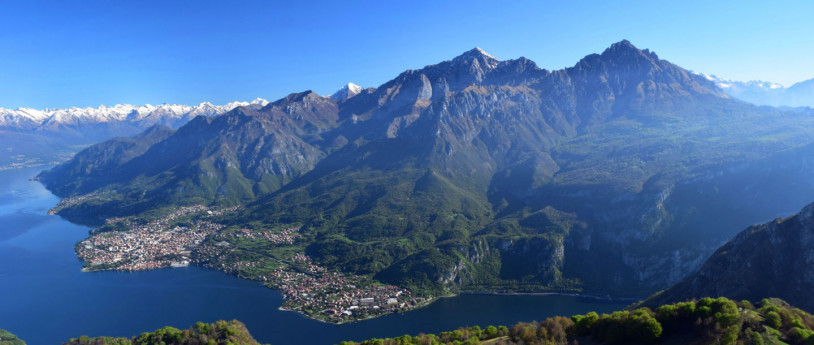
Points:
(218, 333)
(706, 321)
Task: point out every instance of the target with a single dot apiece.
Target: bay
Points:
(45, 298)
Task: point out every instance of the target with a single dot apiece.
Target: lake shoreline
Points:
(553, 293)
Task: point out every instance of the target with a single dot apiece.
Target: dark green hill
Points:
(220, 333)
(476, 174)
(772, 259)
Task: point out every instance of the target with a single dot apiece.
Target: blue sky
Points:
(87, 53)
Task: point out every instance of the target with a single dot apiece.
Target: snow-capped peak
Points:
(475, 53)
(347, 91)
(260, 101)
(483, 52)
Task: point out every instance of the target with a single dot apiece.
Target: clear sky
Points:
(86, 53)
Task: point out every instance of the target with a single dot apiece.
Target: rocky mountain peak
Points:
(305, 96)
(476, 58)
(625, 49)
(475, 53)
(623, 44)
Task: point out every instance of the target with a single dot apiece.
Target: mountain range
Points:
(147, 115)
(767, 93)
(618, 175)
(38, 137)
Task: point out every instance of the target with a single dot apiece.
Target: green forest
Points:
(706, 321)
(218, 333)
(7, 338)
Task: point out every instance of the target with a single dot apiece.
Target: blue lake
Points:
(46, 299)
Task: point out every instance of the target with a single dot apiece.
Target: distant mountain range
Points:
(30, 137)
(767, 93)
(144, 116)
(618, 175)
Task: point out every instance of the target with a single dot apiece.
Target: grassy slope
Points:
(7, 338)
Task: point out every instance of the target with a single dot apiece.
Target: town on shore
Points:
(191, 235)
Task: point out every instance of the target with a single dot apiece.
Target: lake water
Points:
(46, 299)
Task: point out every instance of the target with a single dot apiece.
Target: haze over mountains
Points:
(767, 93)
(618, 175)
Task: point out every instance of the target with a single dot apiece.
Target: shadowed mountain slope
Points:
(772, 259)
